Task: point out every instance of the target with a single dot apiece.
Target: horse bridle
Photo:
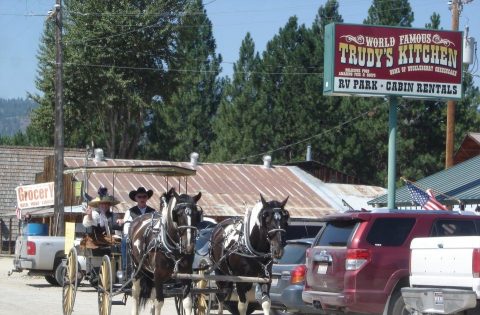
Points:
(189, 227)
(277, 215)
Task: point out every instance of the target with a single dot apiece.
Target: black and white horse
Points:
(161, 244)
(248, 247)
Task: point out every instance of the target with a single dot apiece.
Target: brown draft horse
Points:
(248, 247)
(161, 244)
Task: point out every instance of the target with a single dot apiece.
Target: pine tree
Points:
(114, 55)
(182, 118)
(434, 23)
(240, 123)
(390, 12)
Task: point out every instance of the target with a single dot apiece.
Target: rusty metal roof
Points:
(226, 188)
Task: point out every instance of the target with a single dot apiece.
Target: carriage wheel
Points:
(179, 305)
(69, 290)
(105, 287)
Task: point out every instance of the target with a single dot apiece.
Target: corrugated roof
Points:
(461, 182)
(356, 196)
(19, 166)
(226, 188)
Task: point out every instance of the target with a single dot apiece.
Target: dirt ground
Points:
(26, 295)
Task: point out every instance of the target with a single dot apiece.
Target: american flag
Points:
(426, 200)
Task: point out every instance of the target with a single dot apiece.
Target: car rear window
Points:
(302, 231)
(293, 254)
(390, 231)
(336, 233)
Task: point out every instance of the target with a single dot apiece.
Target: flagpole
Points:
(392, 151)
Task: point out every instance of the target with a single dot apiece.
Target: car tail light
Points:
(31, 248)
(356, 258)
(297, 275)
(476, 262)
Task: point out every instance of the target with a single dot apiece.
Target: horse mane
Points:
(251, 216)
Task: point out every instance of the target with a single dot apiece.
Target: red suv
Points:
(360, 260)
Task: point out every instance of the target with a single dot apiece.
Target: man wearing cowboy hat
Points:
(100, 219)
(140, 196)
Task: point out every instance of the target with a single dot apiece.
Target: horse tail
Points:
(146, 285)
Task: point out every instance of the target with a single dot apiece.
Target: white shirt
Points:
(127, 219)
(98, 219)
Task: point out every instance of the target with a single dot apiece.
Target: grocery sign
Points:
(373, 60)
(37, 195)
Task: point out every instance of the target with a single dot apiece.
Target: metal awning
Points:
(457, 184)
(161, 170)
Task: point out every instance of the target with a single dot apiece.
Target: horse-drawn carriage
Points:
(161, 249)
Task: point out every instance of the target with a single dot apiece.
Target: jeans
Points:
(124, 253)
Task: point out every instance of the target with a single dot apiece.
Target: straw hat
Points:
(106, 199)
(103, 197)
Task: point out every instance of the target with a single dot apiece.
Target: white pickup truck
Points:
(444, 276)
(40, 256)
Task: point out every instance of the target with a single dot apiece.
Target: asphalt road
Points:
(24, 295)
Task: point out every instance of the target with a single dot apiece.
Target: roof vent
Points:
(194, 159)
(99, 155)
(309, 153)
(267, 161)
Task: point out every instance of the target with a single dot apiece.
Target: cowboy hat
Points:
(103, 199)
(140, 190)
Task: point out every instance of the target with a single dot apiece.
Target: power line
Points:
(183, 70)
(339, 126)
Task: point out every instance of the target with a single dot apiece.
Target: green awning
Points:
(458, 184)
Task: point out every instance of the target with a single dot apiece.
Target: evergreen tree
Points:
(182, 119)
(240, 123)
(115, 57)
(324, 146)
(434, 23)
(390, 12)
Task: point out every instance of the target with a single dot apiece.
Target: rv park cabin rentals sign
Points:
(379, 61)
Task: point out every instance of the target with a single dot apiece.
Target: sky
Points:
(21, 26)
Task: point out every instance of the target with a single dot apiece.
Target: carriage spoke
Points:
(105, 287)
(69, 289)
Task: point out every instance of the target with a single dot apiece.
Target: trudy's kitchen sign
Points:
(362, 59)
(37, 195)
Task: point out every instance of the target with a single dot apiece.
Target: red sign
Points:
(391, 60)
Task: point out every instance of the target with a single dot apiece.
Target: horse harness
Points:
(242, 246)
(162, 241)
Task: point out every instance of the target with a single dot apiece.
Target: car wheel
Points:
(397, 305)
(52, 280)
(60, 274)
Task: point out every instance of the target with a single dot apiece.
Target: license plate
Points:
(438, 298)
(274, 282)
(322, 269)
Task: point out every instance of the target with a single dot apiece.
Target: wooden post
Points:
(1, 236)
(450, 137)
(10, 236)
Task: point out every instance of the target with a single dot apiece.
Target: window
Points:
(302, 231)
(336, 233)
(449, 227)
(293, 254)
(390, 231)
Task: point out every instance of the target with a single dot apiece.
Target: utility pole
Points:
(455, 7)
(59, 137)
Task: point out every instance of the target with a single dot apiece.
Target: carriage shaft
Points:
(221, 278)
